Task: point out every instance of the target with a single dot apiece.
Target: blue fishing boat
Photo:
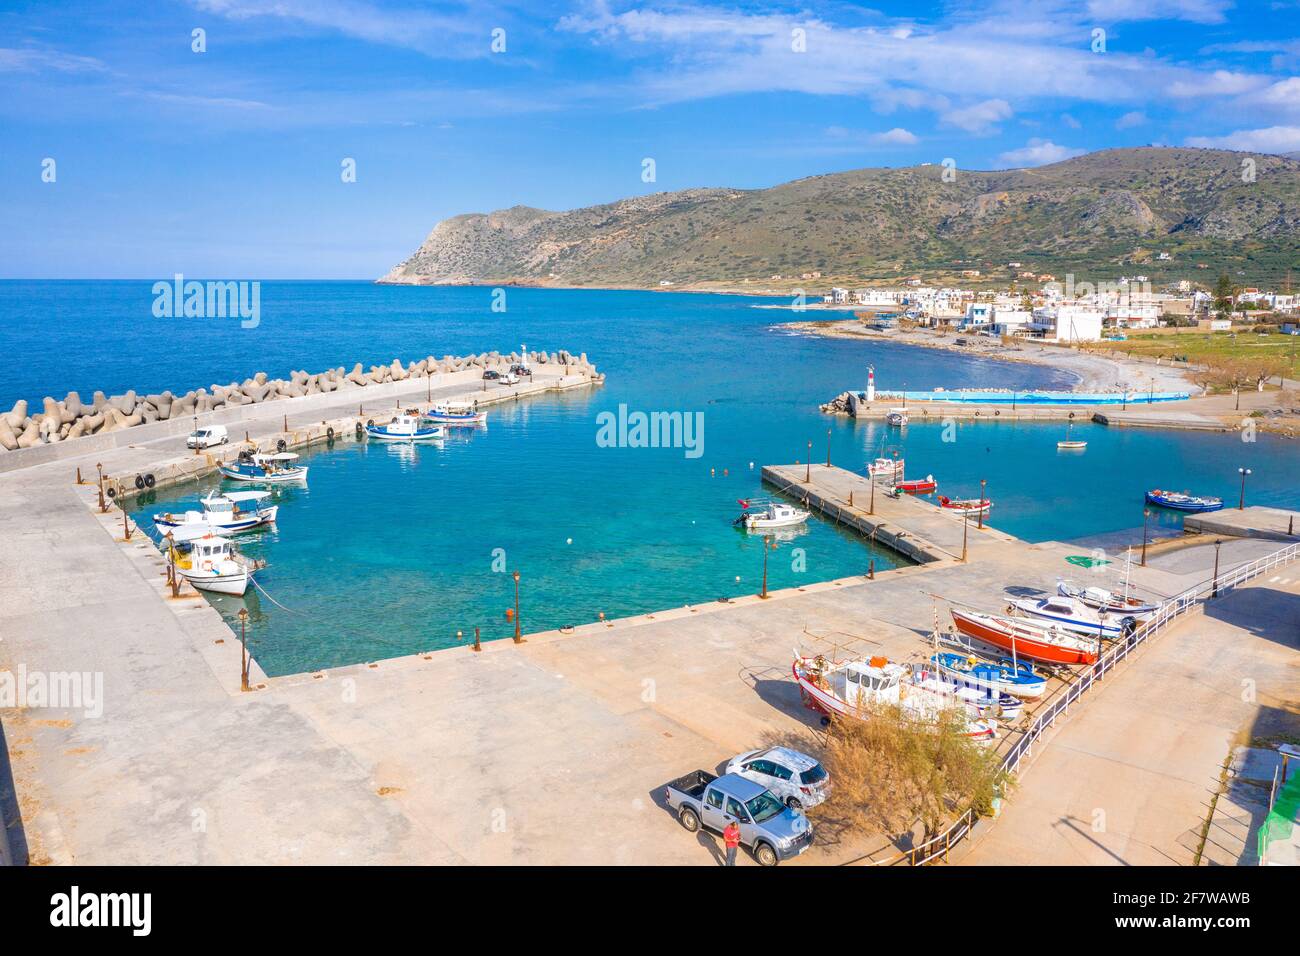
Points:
(404, 428)
(252, 466)
(455, 413)
(1003, 676)
(1194, 504)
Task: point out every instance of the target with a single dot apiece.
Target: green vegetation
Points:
(1243, 355)
(1096, 216)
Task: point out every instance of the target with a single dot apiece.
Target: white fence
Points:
(1170, 610)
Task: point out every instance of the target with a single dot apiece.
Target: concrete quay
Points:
(446, 757)
(1137, 415)
(1257, 521)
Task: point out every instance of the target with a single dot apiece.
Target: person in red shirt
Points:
(731, 836)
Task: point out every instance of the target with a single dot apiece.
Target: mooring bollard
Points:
(871, 570)
(103, 506)
(477, 646)
(126, 522)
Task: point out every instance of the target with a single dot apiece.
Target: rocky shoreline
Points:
(72, 418)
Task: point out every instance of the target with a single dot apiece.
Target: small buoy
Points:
(510, 614)
(568, 541)
(751, 466)
(737, 578)
(725, 471)
(601, 615)
(713, 472)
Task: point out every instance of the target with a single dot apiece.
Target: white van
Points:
(207, 437)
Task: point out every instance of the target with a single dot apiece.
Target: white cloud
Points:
(979, 118)
(1070, 121)
(1197, 11)
(1218, 83)
(897, 137)
(1129, 120)
(1039, 152)
(1272, 139)
(36, 60)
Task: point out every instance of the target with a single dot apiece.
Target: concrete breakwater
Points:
(72, 418)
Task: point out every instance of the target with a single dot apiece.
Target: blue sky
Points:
(227, 163)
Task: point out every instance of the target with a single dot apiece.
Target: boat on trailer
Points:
(965, 506)
(1025, 638)
(1002, 675)
(456, 413)
(1071, 613)
(228, 513)
(405, 427)
(274, 468)
(773, 514)
(1109, 602)
(1182, 501)
(982, 701)
(846, 688)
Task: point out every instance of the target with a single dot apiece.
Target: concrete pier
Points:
(451, 756)
(1276, 524)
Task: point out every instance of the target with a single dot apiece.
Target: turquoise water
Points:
(391, 550)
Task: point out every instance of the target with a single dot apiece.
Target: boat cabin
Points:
(859, 683)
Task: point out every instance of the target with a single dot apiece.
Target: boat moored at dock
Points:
(1182, 501)
(256, 467)
(965, 506)
(405, 427)
(774, 514)
(917, 486)
(888, 469)
(211, 563)
(228, 513)
(455, 413)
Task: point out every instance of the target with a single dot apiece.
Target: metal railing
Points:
(1169, 611)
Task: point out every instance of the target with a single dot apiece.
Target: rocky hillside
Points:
(1093, 215)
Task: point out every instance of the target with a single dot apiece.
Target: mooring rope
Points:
(253, 581)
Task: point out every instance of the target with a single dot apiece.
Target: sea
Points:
(392, 550)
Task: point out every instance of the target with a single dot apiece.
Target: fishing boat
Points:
(211, 563)
(965, 506)
(1070, 444)
(774, 514)
(981, 701)
(917, 486)
(1024, 638)
(228, 513)
(1075, 615)
(254, 466)
(1106, 601)
(1002, 675)
(896, 417)
(456, 413)
(887, 468)
(846, 688)
(405, 427)
(1182, 501)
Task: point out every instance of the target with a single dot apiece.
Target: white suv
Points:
(797, 779)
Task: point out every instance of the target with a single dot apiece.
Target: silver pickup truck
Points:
(771, 830)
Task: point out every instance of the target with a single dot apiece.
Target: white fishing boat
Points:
(772, 514)
(456, 413)
(847, 688)
(1072, 614)
(1070, 444)
(210, 562)
(228, 513)
(1100, 599)
(979, 701)
(257, 467)
(405, 427)
(888, 469)
(896, 417)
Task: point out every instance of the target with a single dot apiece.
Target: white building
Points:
(1068, 323)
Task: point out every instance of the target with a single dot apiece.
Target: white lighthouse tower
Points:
(871, 383)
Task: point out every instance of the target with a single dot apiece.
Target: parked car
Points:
(797, 779)
(771, 830)
(491, 375)
(509, 378)
(207, 437)
(521, 369)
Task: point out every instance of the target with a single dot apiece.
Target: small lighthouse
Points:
(871, 383)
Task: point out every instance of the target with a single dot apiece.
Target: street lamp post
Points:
(983, 484)
(807, 474)
(1146, 514)
(828, 448)
(871, 479)
(1214, 589)
(1241, 500)
(767, 541)
(965, 525)
(196, 429)
(243, 648)
(518, 634)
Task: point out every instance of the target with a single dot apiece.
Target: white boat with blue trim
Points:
(228, 513)
(1073, 615)
(211, 563)
(464, 414)
(265, 469)
(405, 427)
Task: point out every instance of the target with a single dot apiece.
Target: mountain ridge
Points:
(1092, 214)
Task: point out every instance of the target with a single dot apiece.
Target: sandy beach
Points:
(1094, 372)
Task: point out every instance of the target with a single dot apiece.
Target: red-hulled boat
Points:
(1027, 639)
(968, 506)
(918, 486)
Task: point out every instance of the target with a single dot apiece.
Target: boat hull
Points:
(1193, 506)
(1023, 642)
(263, 477)
(424, 434)
(992, 676)
(236, 583)
(918, 487)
